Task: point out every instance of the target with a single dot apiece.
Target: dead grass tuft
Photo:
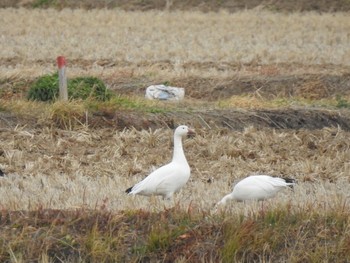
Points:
(313, 90)
(68, 115)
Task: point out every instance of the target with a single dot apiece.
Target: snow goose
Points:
(170, 178)
(257, 187)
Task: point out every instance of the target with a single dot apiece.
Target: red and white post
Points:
(61, 63)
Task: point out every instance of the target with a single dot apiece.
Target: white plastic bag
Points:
(162, 92)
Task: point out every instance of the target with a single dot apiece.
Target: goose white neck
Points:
(178, 155)
(225, 199)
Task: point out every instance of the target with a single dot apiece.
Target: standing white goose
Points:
(257, 187)
(170, 178)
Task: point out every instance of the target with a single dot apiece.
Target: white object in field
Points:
(163, 92)
(170, 178)
(257, 187)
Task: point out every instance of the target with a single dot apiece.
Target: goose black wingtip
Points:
(128, 190)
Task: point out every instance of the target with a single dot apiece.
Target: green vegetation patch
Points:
(88, 87)
(342, 102)
(44, 3)
(46, 88)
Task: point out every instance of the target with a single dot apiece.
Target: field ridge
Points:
(193, 5)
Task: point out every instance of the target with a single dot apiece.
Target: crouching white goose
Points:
(257, 187)
(170, 178)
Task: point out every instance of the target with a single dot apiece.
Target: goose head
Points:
(183, 131)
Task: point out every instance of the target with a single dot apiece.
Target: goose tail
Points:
(290, 182)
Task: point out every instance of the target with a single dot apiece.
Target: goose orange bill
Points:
(191, 133)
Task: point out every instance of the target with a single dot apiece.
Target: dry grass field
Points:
(176, 39)
(267, 93)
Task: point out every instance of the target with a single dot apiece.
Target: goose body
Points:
(170, 178)
(257, 187)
